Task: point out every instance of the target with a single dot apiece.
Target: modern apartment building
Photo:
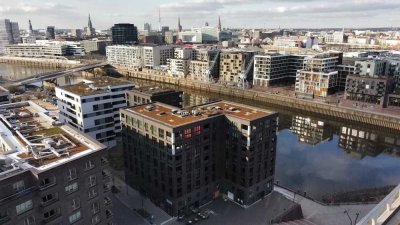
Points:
(140, 56)
(9, 34)
(368, 91)
(93, 107)
(50, 173)
(51, 32)
(393, 70)
(144, 95)
(319, 76)
(276, 68)
(370, 67)
(37, 50)
(4, 96)
(124, 33)
(233, 64)
(180, 158)
(344, 71)
(205, 64)
(179, 67)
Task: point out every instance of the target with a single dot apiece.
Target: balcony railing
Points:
(107, 201)
(17, 195)
(51, 218)
(49, 202)
(47, 186)
(109, 214)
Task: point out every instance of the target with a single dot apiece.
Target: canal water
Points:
(15, 72)
(317, 156)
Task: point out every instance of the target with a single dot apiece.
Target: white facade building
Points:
(93, 107)
(178, 67)
(139, 56)
(36, 50)
(191, 37)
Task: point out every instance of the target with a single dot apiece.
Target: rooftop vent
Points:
(174, 111)
(232, 109)
(149, 108)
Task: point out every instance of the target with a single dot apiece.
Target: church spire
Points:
(179, 25)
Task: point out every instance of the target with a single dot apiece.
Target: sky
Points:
(234, 13)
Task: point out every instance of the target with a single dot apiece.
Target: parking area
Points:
(223, 211)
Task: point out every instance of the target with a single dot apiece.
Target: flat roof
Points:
(99, 85)
(173, 116)
(153, 90)
(33, 140)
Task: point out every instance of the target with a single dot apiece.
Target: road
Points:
(124, 215)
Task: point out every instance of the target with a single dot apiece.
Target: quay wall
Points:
(39, 62)
(287, 102)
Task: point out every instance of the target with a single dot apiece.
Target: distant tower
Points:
(207, 24)
(179, 25)
(90, 29)
(30, 27)
(159, 19)
(219, 24)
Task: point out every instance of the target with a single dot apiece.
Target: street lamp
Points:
(347, 213)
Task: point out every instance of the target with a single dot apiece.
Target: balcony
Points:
(49, 202)
(104, 161)
(109, 214)
(105, 174)
(107, 188)
(51, 218)
(5, 219)
(17, 195)
(47, 186)
(107, 201)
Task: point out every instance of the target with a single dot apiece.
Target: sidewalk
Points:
(133, 200)
(326, 215)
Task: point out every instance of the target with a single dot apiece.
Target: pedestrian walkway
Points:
(327, 215)
(134, 201)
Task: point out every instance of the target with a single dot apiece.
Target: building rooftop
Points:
(172, 116)
(99, 85)
(33, 140)
(152, 90)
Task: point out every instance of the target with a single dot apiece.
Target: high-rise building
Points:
(276, 68)
(124, 33)
(319, 76)
(50, 173)
(180, 158)
(50, 32)
(219, 24)
(179, 25)
(76, 33)
(92, 107)
(147, 27)
(9, 33)
(233, 64)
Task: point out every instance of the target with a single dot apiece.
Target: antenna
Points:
(159, 18)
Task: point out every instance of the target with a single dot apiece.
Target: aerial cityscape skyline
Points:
(234, 13)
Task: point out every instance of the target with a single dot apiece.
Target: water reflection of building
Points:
(310, 131)
(359, 143)
(195, 99)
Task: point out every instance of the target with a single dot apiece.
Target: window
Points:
(96, 219)
(89, 165)
(50, 213)
(47, 182)
(95, 207)
(197, 130)
(92, 193)
(187, 133)
(75, 217)
(24, 207)
(49, 197)
(92, 180)
(75, 203)
(19, 186)
(71, 188)
(72, 174)
(29, 221)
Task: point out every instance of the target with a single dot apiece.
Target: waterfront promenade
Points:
(389, 120)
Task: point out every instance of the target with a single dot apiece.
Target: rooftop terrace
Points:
(31, 139)
(99, 85)
(176, 117)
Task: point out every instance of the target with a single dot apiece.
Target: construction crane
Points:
(211, 68)
(243, 82)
